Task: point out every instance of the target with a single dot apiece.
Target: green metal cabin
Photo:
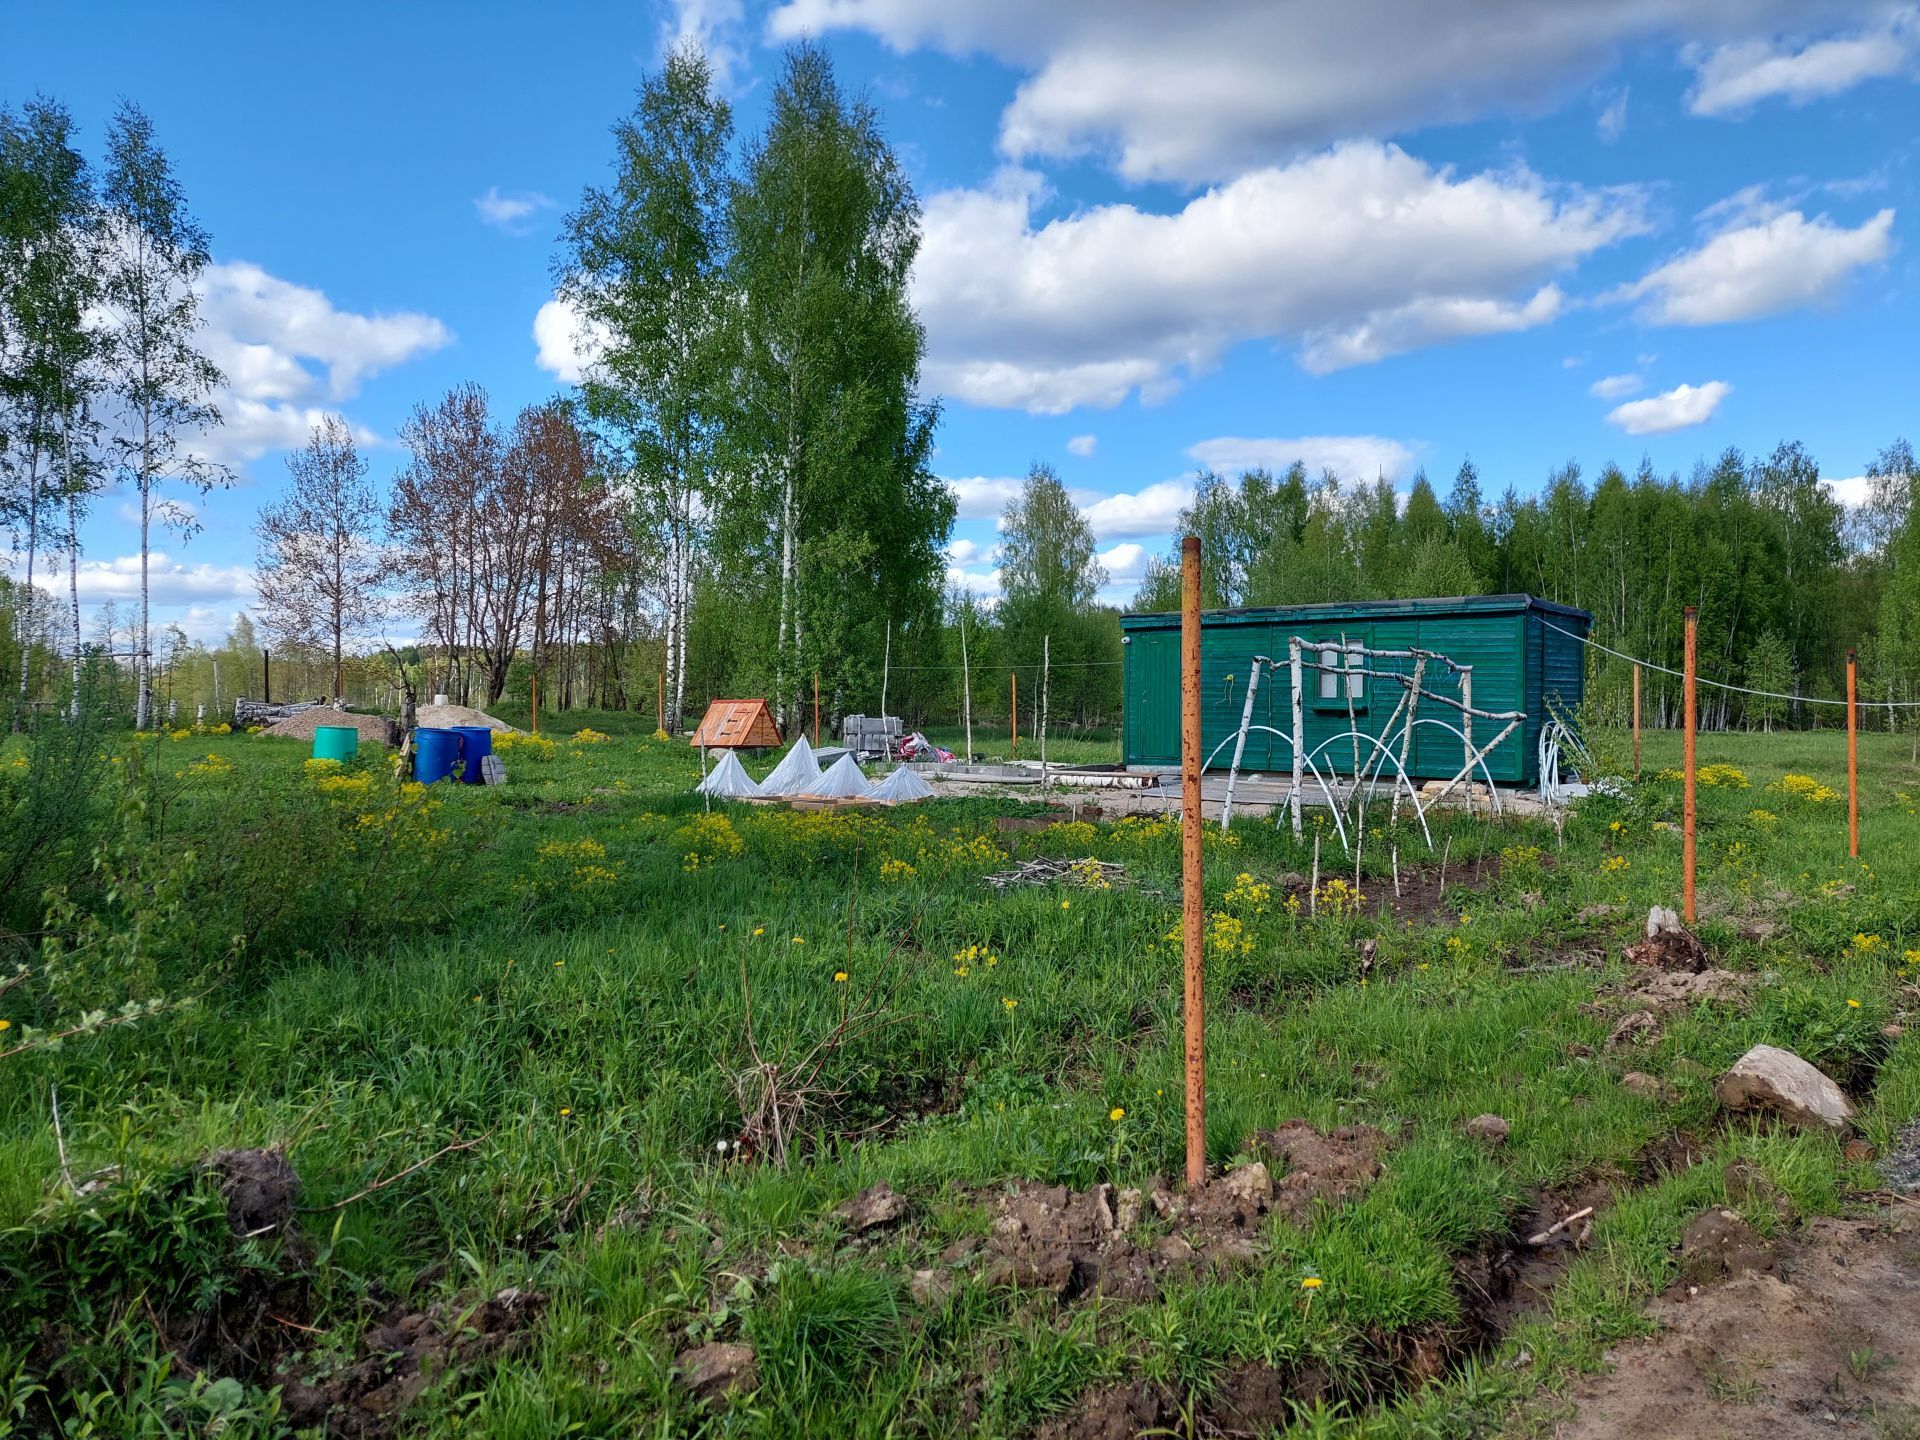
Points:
(1520, 648)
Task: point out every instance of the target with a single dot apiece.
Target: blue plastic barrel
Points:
(435, 754)
(476, 741)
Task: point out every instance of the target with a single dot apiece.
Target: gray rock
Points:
(1489, 1128)
(1638, 1082)
(718, 1369)
(874, 1206)
(930, 1287)
(1250, 1182)
(1767, 1078)
(1126, 1211)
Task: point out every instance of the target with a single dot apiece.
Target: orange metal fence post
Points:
(1853, 755)
(1192, 898)
(1686, 810)
(1014, 676)
(1636, 717)
(816, 709)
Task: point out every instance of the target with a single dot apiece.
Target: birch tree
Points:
(320, 564)
(46, 286)
(831, 490)
(645, 267)
(162, 383)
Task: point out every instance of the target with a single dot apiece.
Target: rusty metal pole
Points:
(1687, 767)
(1636, 717)
(1014, 676)
(1192, 899)
(1853, 754)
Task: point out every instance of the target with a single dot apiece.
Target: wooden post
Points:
(1853, 754)
(1192, 898)
(1689, 719)
(659, 699)
(266, 676)
(966, 688)
(1014, 677)
(816, 709)
(1636, 717)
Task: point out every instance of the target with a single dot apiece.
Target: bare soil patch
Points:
(1826, 1346)
(374, 729)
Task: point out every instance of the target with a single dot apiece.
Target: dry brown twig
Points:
(775, 1095)
(397, 1176)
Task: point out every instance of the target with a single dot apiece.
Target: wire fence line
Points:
(1724, 685)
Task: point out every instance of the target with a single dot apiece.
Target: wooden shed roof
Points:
(737, 725)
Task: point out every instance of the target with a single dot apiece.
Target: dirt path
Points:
(1828, 1345)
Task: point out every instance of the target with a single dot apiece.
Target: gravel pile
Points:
(372, 728)
(442, 717)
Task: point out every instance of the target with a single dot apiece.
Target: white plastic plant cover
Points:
(796, 774)
(903, 785)
(843, 782)
(728, 779)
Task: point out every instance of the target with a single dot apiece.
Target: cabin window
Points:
(1332, 663)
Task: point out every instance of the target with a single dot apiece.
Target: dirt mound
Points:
(1114, 1412)
(1070, 1243)
(403, 1356)
(442, 717)
(1333, 1167)
(1829, 1351)
(259, 1188)
(374, 729)
(1668, 945)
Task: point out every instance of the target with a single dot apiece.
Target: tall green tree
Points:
(645, 266)
(828, 443)
(47, 283)
(1050, 578)
(154, 369)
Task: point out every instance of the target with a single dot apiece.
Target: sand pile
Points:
(444, 717)
(372, 728)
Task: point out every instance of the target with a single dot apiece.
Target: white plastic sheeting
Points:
(903, 785)
(796, 774)
(729, 779)
(843, 782)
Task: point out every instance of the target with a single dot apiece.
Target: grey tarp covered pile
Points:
(729, 779)
(843, 782)
(899, 787)
(796, 774)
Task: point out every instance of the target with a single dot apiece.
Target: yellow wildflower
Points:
(1116, 1114)
(1312, 1282)
(839, 977)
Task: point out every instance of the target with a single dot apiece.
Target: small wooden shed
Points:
(737, 725)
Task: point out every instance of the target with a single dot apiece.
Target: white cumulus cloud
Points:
(565, 345)
(1195, 93)
(1083, 445)
(1351, 457)
(983, 497)
(1852, 491)
(1734, 77)
(286, 348)
(1153, 510)
(1674, 409)
(511, 211)
(1775, 262)
(1614, 387)
(1354, 254)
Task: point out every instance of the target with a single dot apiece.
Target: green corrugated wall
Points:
(1519, 662)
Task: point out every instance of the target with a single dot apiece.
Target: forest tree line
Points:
(737, 498)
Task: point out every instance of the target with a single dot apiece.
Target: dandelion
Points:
(839, 977)
(759, 930)
(564, 1111)
(1008, 1001)
(1116, 1114)
(799, 939)
(1312, 1282)
(6, 1024)
(1066, 904)
(558, 963)
(1853, 1004)
(1159, 1093)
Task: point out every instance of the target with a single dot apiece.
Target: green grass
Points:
(581, 1009)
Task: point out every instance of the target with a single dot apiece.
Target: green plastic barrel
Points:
(336, 742)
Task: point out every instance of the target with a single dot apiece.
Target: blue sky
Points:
(1381, 235)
